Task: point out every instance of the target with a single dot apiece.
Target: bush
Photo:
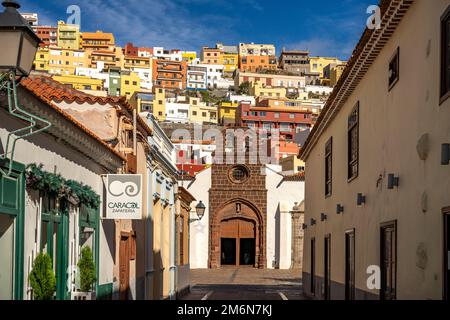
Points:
(86, 266)
(244, 88)
(42, 279)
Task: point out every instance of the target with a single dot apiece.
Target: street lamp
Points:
(20, 43)
(200, 210)
(19, 47)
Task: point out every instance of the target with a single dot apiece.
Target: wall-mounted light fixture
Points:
(393, 181)
(361, 199)
(323, 217)
(19, 47)
(313, 222)
(200, 210)
(445, 159)
(304, 226)
(339, 209)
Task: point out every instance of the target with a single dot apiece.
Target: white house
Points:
(236, 98)
(216, 78)
(177, 110)
(36, 220)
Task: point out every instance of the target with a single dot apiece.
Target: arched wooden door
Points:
(238, 242)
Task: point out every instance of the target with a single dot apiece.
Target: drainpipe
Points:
(149, 237)
(134, 132)
(173, 267)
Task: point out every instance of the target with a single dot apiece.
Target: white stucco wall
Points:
(199, 230)
(391, 122)
(281, 198)
(59, 158)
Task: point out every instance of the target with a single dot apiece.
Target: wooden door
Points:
(239, 232)
(327, 267)
(388, 263)
(313, 266)
(124, 266)
(446, 255)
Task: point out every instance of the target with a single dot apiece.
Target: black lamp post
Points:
(200, 210)
(19, 42)
(19, 45)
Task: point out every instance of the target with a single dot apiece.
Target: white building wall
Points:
(145, 75)
(66, 162)
(177, 112)
(158, 52)
(239, 98)
(281, 198)
(319, 89)
(95, 73)
(216, 79)
(199, 230)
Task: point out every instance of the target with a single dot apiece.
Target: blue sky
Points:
(325, 27)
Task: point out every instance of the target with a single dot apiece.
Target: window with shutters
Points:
(394, 69)
(445, 55)
(328, 167)
(353, 143)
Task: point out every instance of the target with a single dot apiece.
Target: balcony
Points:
(162, 69)
(165, 78)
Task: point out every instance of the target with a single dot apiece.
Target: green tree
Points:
(244, 88)
(205, 96)
(86, 266)
(42, 279)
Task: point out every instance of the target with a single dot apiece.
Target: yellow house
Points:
(317, 64)
(154, 103)
(292, 165)
(230, 62)
(80, 82)
(130, 83)
(189, 56)
(199, 112)
(136, 62)
(60, 61)
(42, 59)
(159, 104)
(227, 112)
(259, 89)
(69, 36)
(336, 74)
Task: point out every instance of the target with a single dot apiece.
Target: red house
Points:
(265, 115)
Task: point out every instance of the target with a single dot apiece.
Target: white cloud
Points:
(166, 23)
(333, 33)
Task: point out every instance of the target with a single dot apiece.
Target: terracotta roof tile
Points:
(55, 91)
(300, 176)
(38, 92)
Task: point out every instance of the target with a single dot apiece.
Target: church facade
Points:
(248, 219)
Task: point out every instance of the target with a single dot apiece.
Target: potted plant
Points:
(42, 279)
(86, 267)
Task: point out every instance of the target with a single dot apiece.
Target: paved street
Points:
(245, 284)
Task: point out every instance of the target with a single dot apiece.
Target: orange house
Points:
(255, 63)
(169, 74)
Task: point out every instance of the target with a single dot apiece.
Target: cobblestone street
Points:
(245, 284)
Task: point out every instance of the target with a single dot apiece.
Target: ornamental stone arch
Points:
(241, 220)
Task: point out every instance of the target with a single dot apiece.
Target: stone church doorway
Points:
(237, 232)
(237, 242)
